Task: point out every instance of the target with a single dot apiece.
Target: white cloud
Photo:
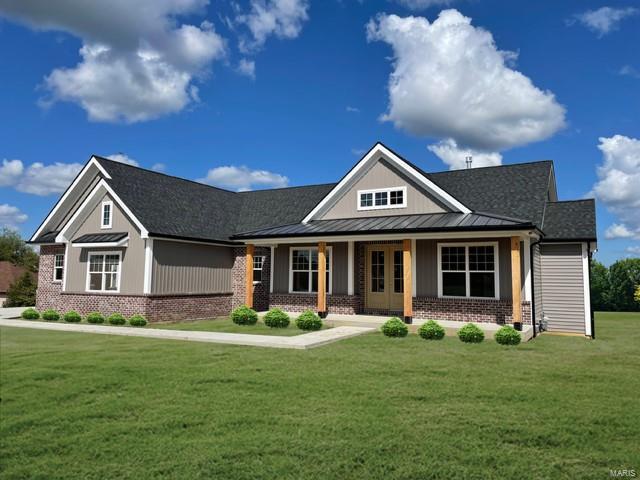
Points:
(40, 179)
(159, 167)
(247, 67)
(11, 216)
(618, 186)
(629, 71)
(456, 157)
(603, 20)
(635, 250)
(243, 178)
(10, 172)
(122, 158)
(422, 4)
(451, 82)
(137, 62)
(351, 109)
(282, 18)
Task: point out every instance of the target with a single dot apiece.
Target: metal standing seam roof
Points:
(101, 237)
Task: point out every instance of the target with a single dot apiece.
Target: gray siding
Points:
(180, 267)
(132, 267)
(562, 287)
(339, 265)
(382, 175)
(537, 282)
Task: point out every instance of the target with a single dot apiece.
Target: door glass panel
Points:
(377, 271)
(398, 272)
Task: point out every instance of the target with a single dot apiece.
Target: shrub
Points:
(471, 333)
(137, 321)
(395, 327)
(30, 314)
(116, 319)
(508, 336)
(431, 330)
(50, 315)
(22, 292)
(244, 316)
(72, 317)
(276, 318)
(308, 320)
(95, 317)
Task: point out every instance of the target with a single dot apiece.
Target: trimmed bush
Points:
(95, 317)
(72, 317)
(50, 315)
(30, 314)
(395, 327)
(508, 336)
(276, 318)
(116, 319)
(471, 333)
(308, 320)
(244, 315)
(431, 330)
(137, 321)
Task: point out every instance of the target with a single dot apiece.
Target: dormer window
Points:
(107, 214)
(381, 198)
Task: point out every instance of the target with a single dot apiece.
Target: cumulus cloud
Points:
(618, 184)
(11, 216)
(629, 71)
(123, 158)
(635, 250)
(159, 167)
(247, 67)
(281, 18)
(422, 4)
(137, 62)
(38, 178)
(243, 178)
(10, 172)
(449, 152)
(603, 20)
(450, 81)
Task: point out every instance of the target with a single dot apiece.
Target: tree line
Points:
(616, 288)
(22, 292)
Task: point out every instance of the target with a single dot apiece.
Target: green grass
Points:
(225, 324)
(97, 407)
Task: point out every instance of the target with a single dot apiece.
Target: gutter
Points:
(591, 315)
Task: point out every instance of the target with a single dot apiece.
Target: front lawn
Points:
(95, 406)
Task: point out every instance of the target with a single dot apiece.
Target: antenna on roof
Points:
(468, 160)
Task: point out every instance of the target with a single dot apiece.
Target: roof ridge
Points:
(577, 200)
(288, 188)
(491, 166)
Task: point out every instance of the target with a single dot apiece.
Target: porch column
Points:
(248, 289)
(322, 279)
(516, 284)
(407, 288)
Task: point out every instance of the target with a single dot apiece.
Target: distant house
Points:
(9, 273)
(490, 244)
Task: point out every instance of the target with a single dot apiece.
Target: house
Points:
(9, 273)
(489, 244)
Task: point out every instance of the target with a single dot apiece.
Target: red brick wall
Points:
(299, 302)
(468, 310)
(48, 292)
(260, 290)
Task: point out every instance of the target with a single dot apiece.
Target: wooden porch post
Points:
(408, 284)
(248, 289)
(516, 286)
(322, 279)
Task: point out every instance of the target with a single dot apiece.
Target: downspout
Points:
(592, 317)
(533, 286)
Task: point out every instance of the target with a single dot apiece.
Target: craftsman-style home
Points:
(489, 244)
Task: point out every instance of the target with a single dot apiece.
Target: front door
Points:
(385, 277)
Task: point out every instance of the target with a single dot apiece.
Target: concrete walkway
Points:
(11, 312)
(301, 342)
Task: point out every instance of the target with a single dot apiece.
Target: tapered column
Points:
(407, 284)
(516, 287)
(248, 289)
(322, 279)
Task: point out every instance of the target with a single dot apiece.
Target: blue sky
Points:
(299, 89)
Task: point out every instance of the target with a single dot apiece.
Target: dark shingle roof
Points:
(570, 220)
(434, 222)
(101, 237)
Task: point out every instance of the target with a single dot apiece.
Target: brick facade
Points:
(299, 302)
(468, 310)
(260, 290)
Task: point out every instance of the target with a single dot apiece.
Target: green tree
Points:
(22, 292)
(624, 275)
(636, 295)
(599, 286)
(14, 249)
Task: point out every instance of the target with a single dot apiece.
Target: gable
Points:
(382, 175)
(92, 220)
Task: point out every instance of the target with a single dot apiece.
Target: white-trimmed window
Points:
(58, 267)
(103, 272)
(468, 270)
(303, 270)
(381, 198)
(106, 214)
(258, 263)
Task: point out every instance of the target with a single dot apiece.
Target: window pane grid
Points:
(304, 270)
(103, 272)
(468, 271)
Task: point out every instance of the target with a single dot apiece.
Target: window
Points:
(468, 270)
(380, 198)
(258, 263)
(303, 270)
(58, 267)
(107, 212)
(103, 272)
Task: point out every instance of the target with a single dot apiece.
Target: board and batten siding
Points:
(563, 295)
(190, 268)
(537, 282)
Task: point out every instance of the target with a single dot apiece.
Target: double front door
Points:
(385, 277)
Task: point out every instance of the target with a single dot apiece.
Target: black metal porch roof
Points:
(101, 237)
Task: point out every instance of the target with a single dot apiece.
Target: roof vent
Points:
(468, 160)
